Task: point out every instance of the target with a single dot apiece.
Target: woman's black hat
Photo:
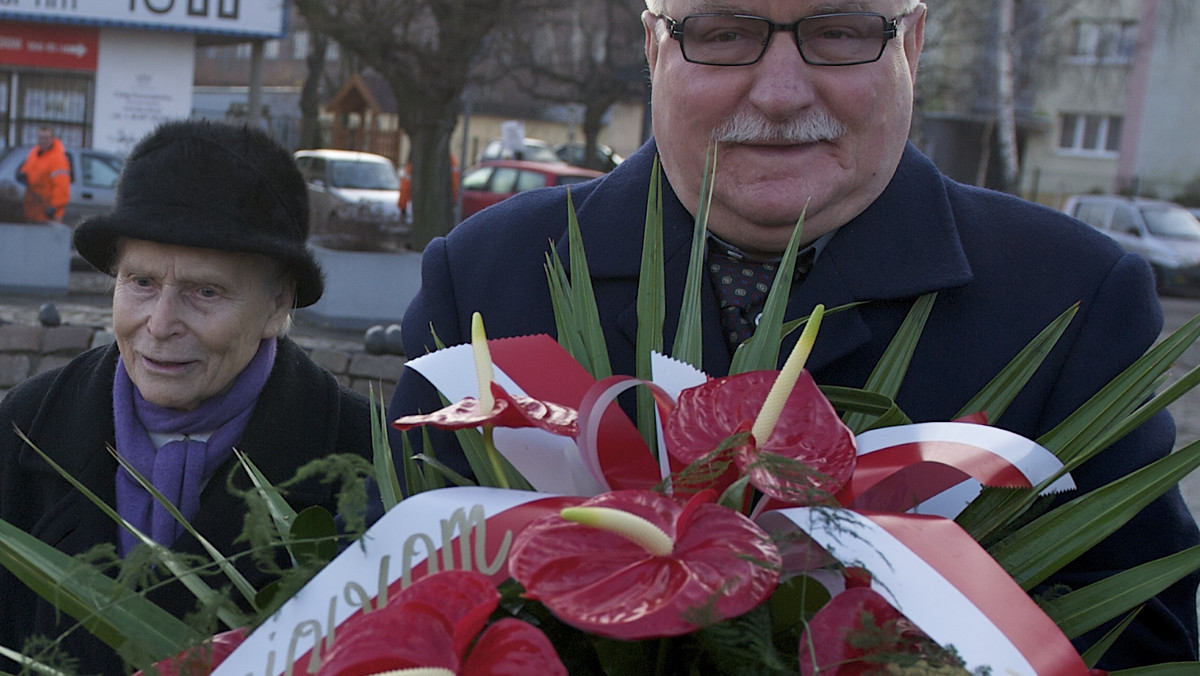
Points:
(213, 186)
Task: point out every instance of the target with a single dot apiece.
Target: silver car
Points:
(1164, 233)
(353, 200)
(94, 176)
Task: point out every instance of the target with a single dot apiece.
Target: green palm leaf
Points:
(761, 351)
(1112, 411)
(385, 465)
(203, 593)
(887, 375)
(688, 345)
(1038, 549)
(1087, 608)
(141, 632)
(651, 305)
(995, 397)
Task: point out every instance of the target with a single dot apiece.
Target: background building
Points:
(104, 74)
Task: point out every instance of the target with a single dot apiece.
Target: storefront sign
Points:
(257, 18)
(48, 46)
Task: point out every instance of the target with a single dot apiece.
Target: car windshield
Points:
(1171, 222)
(363, 176)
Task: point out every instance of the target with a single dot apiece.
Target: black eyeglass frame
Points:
(891, 30)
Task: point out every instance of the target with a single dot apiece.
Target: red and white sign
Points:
(55, 46)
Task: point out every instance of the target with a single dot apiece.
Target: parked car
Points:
(573, 153)
(536, 150)
(353, 200)
(93, 180)
(1165, 233)
(490, 182)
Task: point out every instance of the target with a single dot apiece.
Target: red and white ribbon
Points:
(423, 534)
(944, 582)
(938, 467)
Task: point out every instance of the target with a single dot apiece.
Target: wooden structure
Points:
(364, 117)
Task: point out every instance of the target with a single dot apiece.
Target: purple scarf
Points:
(180, 468)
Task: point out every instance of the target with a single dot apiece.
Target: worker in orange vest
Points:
(46, 174)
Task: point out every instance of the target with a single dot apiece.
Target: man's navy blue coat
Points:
(1003, 269)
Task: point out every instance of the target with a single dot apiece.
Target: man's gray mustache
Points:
(750, 128)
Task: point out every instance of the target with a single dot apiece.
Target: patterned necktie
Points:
(742, 285)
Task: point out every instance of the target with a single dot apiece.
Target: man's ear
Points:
(650, 22)
(914, 40)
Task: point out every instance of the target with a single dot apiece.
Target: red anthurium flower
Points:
(809, 430)
(509, 411)
(202, 659)
(432, 624)
(856, 632)
(709, 563)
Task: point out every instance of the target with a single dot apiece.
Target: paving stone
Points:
(14, 368)
(334, 361)
(20, 338)
(66, 339)
(382, 366)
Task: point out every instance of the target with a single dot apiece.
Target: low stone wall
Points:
(27, 350)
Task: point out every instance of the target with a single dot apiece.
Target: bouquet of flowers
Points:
(751, 523)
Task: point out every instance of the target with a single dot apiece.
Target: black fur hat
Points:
(213, 186)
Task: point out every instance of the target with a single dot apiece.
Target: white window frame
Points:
(1080, 122)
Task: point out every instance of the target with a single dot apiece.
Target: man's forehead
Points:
(799, 7)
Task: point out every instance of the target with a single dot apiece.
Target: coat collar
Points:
(903, 245)
(75, 427)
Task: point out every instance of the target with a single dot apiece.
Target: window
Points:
(332, 51)
(271, 49)
(242, 50)
(1089, 134)
(1095, 215)
(528, 180)
(1111, 41)
(300, 44)
(1124, 222)
(98, 171)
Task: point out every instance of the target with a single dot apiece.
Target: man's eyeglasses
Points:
(843, 39)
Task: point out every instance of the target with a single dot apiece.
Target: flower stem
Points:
(494, 457)
(629, 526)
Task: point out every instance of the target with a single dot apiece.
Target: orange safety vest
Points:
(47, 182)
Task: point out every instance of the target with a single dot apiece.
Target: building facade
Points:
(102, 75)
(1106, 94)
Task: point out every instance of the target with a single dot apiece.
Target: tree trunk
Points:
(1006, 116)
(433, 204)
(310, 104)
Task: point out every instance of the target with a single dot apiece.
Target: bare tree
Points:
(586, 52)
(425, 50)
(310, 104)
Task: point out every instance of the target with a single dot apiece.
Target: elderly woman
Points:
(207, 247)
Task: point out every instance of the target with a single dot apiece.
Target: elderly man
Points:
(46, 173)
(207, 246)
(810, 103)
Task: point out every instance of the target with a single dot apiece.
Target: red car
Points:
(494, 180)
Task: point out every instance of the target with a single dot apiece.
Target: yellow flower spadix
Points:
(629, 526)
(768, 416)
(483, 363)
